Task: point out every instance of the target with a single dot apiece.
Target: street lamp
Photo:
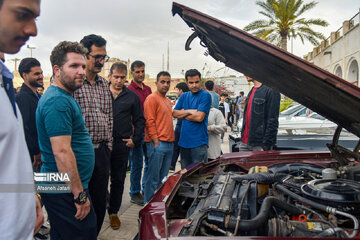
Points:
(31, 48)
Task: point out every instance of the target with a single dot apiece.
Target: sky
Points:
(142, 30)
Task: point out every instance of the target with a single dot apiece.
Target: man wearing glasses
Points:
(94, 98)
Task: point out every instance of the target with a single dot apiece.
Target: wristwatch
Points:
(81, 199)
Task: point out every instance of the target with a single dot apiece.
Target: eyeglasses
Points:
(100, 57)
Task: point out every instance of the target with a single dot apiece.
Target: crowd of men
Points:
(88, 127)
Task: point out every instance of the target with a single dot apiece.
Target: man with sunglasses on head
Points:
(94, 98)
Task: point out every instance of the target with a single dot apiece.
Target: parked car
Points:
(268, 194)
(299, 117)
(296, 110)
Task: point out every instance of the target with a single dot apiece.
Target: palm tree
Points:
(284, 20)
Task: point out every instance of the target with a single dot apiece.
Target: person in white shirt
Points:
(216, 127)
(20, 211)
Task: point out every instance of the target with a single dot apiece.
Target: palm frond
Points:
(306, 7)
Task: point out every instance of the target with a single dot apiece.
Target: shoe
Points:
(114, 221)
(172, 169)
(138, 199)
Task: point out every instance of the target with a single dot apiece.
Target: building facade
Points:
(340, 53)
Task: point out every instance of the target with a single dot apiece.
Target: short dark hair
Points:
(119, 67)
(26, 64)
(58, 55)
(209, 85)
(1, 3)
(137, 64)
(242, 93)
(92, 39)
(182, 86)
(162, 73)
(192, 73)
(224, 95)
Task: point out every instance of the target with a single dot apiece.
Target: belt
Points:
(100, 144)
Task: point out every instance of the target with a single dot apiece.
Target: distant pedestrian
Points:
(193, 107)
(137, 153)
(66, 146)
(215, 98)
(260, 121)
(94, 98)
(216, 127)
(181, 88)
(129, 123)
(230, 117)
(159, 135)
(40, 90)
(224, 109)
(240, 105)
(27, 99)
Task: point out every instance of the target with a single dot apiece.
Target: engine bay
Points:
(283, 200)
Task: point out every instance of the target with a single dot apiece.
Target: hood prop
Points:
(340, 153)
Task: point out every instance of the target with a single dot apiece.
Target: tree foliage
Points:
(284, 20)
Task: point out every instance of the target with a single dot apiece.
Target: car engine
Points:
(283, 200)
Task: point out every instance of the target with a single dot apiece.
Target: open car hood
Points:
(321, 91)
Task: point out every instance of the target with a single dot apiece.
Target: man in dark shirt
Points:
(260, 122)
(27, 99)
(127, 113)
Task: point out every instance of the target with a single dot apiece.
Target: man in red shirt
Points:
(137, 153)
(260, 122)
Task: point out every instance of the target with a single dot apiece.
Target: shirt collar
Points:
(137, 86)
(98, 79)
(5, 71)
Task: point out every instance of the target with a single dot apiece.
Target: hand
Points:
(129, 142)
(39, 216)
(209, 128)
(156, 142)
(37, 162)
(191, 111)
(82, 210)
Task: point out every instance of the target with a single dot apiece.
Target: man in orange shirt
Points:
(159, 135)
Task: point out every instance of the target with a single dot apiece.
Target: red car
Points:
(273, 194)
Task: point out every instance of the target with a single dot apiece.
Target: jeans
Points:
(159, 165)
(119, 160)
(136, 157)
(244, 147)
(193, 155)
(61, 211)
(176, 151)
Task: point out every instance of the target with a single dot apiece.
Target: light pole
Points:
(31, 48)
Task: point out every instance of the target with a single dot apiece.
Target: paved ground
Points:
(129, 212)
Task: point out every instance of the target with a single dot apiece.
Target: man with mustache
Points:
(66, 146)
(94, 98)
(159, 135)
(138, 152)
(193, 107)
(18, 214)
(129, 123)
(27, 99)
